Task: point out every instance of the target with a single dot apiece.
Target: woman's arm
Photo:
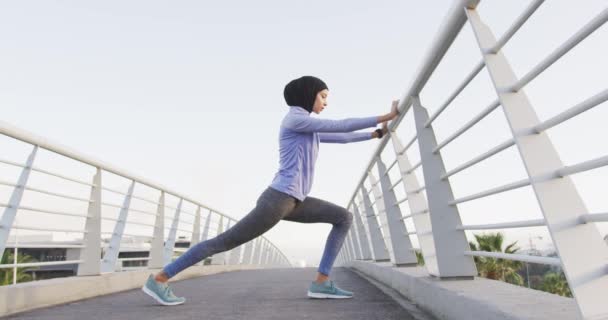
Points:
(305, 123)
(348, 137)
(344, 137)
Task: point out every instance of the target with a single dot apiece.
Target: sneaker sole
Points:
(158, 299)
(316, 295)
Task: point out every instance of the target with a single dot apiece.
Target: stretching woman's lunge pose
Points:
(287, 196)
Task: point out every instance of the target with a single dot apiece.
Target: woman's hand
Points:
(395, 109)
(384, 131)
(391, 115)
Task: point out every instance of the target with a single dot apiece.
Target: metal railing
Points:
(380, 232)
(130, 221)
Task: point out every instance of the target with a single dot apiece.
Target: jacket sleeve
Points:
(348, 137)
(301, 123)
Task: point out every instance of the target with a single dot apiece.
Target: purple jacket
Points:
(299, 139)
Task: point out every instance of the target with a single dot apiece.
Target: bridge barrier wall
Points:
(466, 300)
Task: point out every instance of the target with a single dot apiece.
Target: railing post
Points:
(108, 263)
(349, 246)
(158, 238)
(91, 252)
(395, 233)
(355, 241)
(579, 245)
(450, 243)
(206, 228)
(418, 207)
(235, 255)
(170, 244)
(361, 234)
(248, 254)
(196, 229)
(257, 251)
(264, 252)
(13, 204)
(219, 257)
(379, 251)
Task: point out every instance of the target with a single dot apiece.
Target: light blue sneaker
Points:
(327, 290)
(161, 292)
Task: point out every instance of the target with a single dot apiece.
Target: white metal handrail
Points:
(434, 214)
(161, 250)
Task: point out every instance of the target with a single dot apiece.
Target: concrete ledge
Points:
(37, 294)
(469, 299)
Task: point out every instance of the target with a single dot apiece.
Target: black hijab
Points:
(302, 92)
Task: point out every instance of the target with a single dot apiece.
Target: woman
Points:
(286, 197)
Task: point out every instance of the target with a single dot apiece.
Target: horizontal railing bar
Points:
(130, 209)
(12, 163)
(517, 257)
(414, 214)
(579, 36)
(391, 166)
(417, 190)
(583, 166)
(183, 230)
(40, 264)
(408, 145)
(503, 188)
(44, 246)
(45, 229)
(572, 112)
(50, 173)
(128, 234)
(115, 191)
(129, 222)
(456, 92)
(519, 22)
(469, 124)
(180, 221)
(134, 259)
(505, 225)
(5, 183)
(409, 233)
(413, 168)
(153, 214)
(144, 199)
(396, 183)
(56, 194)
(595, 217)
(507, 144)
(401, 201)
(27, 208)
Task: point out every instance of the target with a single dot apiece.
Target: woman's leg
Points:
(271, 207)
(313, 210)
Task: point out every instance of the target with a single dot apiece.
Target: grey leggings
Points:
(273, 206)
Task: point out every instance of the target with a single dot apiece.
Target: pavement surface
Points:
(266, 294)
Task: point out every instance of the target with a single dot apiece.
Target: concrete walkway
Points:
(251, 294)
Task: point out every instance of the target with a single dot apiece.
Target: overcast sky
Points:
(189, 93)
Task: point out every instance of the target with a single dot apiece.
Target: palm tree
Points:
(497, 269)
(556, 283)
(6, 275)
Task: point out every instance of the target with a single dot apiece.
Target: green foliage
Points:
(420, 258)
(497, 269)
(6, 275)
(556, 283)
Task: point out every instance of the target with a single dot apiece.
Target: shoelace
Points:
(169, 292)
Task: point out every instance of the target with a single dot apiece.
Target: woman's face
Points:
(320, 101)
